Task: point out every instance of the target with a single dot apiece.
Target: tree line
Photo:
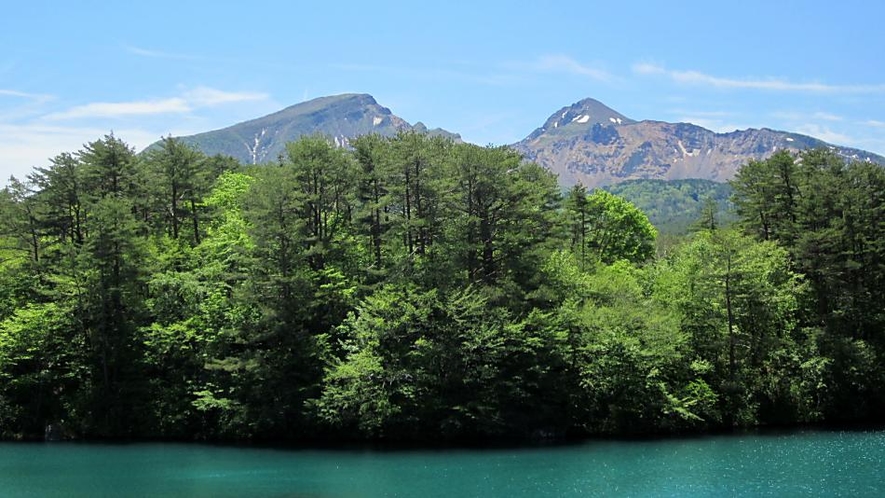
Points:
(411, 288)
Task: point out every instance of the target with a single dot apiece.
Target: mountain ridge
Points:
(598, 152)
(586, 142)
(339, 117)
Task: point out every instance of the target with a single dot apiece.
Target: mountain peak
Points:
(579, 117)
(333, 104)
(338, 117)
(355, 99)
(594, 106)
(588, 142)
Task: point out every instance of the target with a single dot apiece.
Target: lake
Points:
(807, 463)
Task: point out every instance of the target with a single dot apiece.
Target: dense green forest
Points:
(416, 289)
(675, 207)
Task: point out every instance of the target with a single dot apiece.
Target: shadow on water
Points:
(475, 444)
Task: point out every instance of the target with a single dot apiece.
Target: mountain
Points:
(585, 142)
(590, 143)
(340, 117)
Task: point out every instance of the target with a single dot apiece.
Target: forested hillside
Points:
(412, 288)
(676, 206)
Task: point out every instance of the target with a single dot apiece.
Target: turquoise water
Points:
(796, 464)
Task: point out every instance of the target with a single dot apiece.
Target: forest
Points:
(415, 289)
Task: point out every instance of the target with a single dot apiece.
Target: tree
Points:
(578, 221)
(738, 300)
(113, 265)
(42, 364)
(183, 177)
(423, 365)
(828, 215)
(765, 196)
(416, 172)
(325, 178)
(487, 179)
(20, 218)
(61, 191)
(371, 152)
(709, 218)
(109, 169)
(616, 229)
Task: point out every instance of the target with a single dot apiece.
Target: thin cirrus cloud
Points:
(189, 101)
(771, 84)
(827, 135)
(36, 97)
(803, 117)
(207, 97)
(122, 109)
(156, 54)
(565, 64)
(494, 74)
(16, 93)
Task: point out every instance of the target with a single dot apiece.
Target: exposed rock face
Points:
(589, 143)
(585, 142)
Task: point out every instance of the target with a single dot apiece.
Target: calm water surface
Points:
(796, 464)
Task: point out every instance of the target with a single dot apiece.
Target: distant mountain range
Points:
(339, 117)
(589, 143)
(585, 142)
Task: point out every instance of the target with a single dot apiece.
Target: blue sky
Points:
(71, 72)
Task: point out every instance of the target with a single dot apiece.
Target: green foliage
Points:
(412, 288)
(607, 228)
(673, 206)
(829, 216)
(180, 178)
(420, 363)
(738, 300)
(41, 365)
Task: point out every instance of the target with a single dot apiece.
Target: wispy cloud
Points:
(712, 123)
(38, 97)
(369, 68)
(806, 116)
(122, 109)
(559, 63)
(189, 100)
(156, 54)
(490, 76)
(698, 78)
(717, 120)
(14, 93)
(706, 114)
(28, 145)
(836, 129)
(826, 134)
(648, 68)
(208, 97)
(31, 133)
(826, 116)
(16, 105)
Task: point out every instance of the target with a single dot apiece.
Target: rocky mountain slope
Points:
(586, 142)
(590, 143)
(340, 117)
